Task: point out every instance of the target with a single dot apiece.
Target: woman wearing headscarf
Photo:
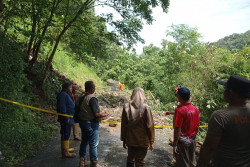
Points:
(137, 128)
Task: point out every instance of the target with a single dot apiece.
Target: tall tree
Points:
(130, 11)
(41, 32)
(39, 22)
(185, 37)
(89, 39)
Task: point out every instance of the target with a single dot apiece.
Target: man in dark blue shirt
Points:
(66, 105)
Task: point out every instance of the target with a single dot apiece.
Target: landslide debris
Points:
(113, 102)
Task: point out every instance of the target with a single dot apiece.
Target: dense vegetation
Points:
(66, 33)
(21, 130)
(36, 34)
(185, 61)
(234, 42)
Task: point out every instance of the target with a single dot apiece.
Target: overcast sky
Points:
(214, 19)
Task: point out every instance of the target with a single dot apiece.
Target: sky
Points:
(214, 19)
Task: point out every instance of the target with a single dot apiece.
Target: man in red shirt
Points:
(187, 120)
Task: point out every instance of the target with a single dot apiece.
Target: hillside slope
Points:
(234, 41)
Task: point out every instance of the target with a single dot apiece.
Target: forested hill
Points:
(234, 41)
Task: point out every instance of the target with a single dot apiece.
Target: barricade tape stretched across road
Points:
(36, 108)
(56, 113)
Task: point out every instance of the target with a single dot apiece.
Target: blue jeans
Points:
(90, 136)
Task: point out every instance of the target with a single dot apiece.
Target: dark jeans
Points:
(90, 136)
(136, 155)
(65, 131)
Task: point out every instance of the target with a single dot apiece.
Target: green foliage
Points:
(201, 134)
(52, 85)
(21, 131)
(74, 70)
(22, 134)
(185, 38)
(185, 61)
(42, 22)
(37, 24)
(89, 39)
(234, 42)
(132, 13)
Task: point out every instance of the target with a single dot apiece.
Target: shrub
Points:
(20, 129)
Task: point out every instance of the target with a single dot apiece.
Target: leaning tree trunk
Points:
(36, 48)
(48, 67)
(33, 31)
(31, 39)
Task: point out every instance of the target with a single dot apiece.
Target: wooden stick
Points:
(154, 98)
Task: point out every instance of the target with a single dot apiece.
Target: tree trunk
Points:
(1, 6)
(39, 42)
(32, 32)
(6, 25)
(80, 11)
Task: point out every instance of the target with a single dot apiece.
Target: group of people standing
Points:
(226, 143)
(87, 116)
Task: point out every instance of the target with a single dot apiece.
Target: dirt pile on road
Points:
(113, 102)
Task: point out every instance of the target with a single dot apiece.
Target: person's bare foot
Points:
(171, 140)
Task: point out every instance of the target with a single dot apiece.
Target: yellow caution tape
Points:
(36, 108)
(118, 123)
(163, 126)
(107, 122)
(203, 126)
(56, 113)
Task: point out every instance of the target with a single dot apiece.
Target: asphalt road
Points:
(110, 151)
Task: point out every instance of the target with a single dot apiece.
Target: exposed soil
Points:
(113, 101)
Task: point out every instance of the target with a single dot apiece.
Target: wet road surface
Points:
(110, 151)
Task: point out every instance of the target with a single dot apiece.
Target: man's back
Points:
(233, 126)
(187, 118)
